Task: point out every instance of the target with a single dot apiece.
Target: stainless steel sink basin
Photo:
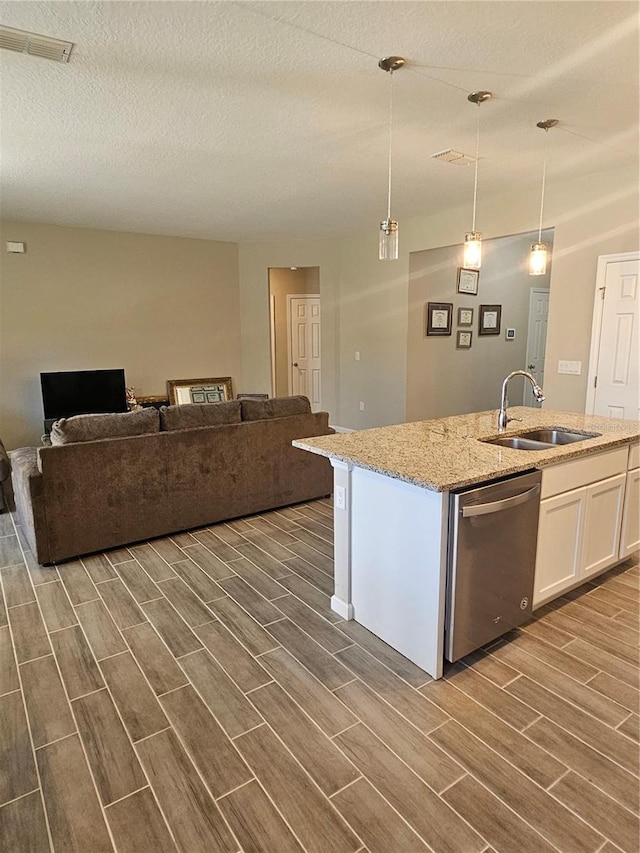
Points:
(556, 435)
(540, 439)
(516, 442)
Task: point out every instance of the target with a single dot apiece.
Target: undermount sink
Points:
(540, 439)
(555, 435)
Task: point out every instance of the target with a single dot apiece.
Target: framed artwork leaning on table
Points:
(214, 390)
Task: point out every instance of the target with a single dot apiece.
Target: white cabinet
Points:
(558, 560)
(580, 521)
(602, 521)
(630, 536)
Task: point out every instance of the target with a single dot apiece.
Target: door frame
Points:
(291, 296)
(596, 327)
(272, 341)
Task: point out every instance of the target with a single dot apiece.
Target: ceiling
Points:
(249, 121)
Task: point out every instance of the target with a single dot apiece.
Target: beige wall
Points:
(443, 380)
(255, 261)
(170, 308)
(282, 283)
(365, 300)
(161, 307)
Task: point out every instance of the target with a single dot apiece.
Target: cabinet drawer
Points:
(634, 456)
(581, 472)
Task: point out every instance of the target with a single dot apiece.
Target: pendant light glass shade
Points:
(388, 234)
(472, 257)
(539, 250)
(538, 259)
(388, 240)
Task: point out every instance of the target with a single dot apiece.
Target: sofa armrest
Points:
(29, 502)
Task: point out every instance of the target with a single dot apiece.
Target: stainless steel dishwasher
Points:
(493, 530)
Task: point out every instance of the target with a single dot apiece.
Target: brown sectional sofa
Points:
(96, 488)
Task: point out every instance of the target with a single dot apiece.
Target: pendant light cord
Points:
(475, 181)
(390, 140)
(544, 179)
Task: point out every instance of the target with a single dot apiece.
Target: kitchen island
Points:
(391, 511)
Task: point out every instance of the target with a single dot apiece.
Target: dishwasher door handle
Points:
(499, 506)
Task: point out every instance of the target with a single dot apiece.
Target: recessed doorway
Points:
(296, 333)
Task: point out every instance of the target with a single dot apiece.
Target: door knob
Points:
(531, 367)
(295, 363)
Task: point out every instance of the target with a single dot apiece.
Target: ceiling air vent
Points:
(456, 158)
(35, 45)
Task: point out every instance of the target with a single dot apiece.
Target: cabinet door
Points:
(603, 518)
(630, 537)
(559, 556)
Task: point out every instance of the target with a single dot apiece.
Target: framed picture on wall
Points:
(489, 319)
(463, 340)
(439, 318)
(465, 316)
(468, 281)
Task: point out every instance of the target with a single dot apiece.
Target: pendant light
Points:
(472, 258)
(539, 250)
(388, 236)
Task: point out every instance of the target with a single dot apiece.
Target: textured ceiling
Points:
(268, 120)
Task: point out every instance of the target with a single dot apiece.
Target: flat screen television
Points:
(81, 392)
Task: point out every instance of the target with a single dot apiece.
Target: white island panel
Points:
(398, 564)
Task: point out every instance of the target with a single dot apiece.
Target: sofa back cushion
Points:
(190, 415)
(278, 407)
(94, 427)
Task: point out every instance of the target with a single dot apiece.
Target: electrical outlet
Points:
(573, 367)
(362, 405)
(341, 497)
(357, 355)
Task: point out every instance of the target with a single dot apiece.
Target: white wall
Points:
(365, 300)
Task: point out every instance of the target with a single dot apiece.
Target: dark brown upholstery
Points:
(190, 415)
(27, 491)
(278, 407)
(5, 481)
(94, 495)
(94, 427)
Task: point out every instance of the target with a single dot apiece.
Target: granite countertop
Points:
(446, 453)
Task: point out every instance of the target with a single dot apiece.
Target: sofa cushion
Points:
(190, 415)
(278, 407)
(94, 427)
(5, 465)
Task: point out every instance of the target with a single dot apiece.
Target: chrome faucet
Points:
(538, 393)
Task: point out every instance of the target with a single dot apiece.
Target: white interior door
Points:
(614, 367)
(304, 347)
(536, 340)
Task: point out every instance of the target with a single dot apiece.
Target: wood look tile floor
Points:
(196, 693)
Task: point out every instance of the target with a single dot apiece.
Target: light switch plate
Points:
(573, 367)
(16, 248)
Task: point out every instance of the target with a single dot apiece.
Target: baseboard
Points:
(341, 429)
(341, 607)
